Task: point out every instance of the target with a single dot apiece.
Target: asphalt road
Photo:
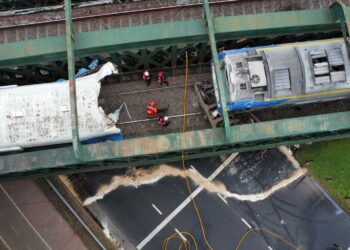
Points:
(301, 212)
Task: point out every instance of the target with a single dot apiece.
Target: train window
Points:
(281, 78)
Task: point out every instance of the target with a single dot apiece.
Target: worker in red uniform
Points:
(164, 121)
(161, 78)
(151, 109)
(147, 77)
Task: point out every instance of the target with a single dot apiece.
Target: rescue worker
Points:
(147, 77)
(161, 78)
(164, 121)
(151, 109)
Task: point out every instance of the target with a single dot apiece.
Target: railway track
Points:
(32, 26)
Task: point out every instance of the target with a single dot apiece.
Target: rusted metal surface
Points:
(33, 26)
(218, 82)
(155, 149)
(71, 79)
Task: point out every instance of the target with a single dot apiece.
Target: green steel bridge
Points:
(174, 35)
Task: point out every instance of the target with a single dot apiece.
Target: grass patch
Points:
(329, 163)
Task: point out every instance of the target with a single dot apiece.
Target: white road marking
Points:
(270, 248)
(193, 168)
(184, 203)
(25, 218)
(5, 243)
(182, 237)
(222, 198)
(245, 222)
(157, 209)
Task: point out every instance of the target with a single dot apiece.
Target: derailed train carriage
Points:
(39, 115)
(296, 73)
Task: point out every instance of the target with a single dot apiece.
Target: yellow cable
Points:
(176, 235)
(266, 231)
(183, 161)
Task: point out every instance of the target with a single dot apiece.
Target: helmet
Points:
(160, 74)
(146, 73)
(166, 118)
(152, 103)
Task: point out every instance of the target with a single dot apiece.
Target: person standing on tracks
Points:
(147, 77)
(161, 78)
(164, 121)
(153, 111)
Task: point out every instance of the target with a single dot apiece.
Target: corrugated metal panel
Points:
(322, 80)
(282, 79)
(321, 68)
(338, 76)
(335, 57)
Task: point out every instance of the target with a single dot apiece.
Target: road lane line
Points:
(24, 217)
(270, 248)
(5, 243)
(15, 230)
(157, 209)
(184, 203)
(245, 222)
(181, 235)
(222, 198)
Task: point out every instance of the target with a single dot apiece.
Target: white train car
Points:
(285, 74)
(39, 115)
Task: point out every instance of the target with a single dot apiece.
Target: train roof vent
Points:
(281, 78)
(335, 57)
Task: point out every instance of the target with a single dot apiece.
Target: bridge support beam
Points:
(218, 75)
(166, 34)
(71, 76)
(166, 148)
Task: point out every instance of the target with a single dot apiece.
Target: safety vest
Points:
(151, 111)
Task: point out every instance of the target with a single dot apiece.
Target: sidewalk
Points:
(29, 221)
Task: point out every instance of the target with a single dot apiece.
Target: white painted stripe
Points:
(193, 168)
(245, 222)
(182, 237)
(222, 198)
(25, 218)
(5, 243)
(157, 209)
(270, 248)
(184, 203)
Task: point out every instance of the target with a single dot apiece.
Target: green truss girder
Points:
(218, 75)
(71, 77)
(163, 148)
(167, 34)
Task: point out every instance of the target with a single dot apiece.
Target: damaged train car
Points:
(39, 115)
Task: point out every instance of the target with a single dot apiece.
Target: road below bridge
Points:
(142, 208)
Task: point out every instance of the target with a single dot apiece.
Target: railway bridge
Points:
(36, 49)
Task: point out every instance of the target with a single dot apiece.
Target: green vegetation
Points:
(329, 163)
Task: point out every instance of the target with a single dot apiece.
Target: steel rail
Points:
(144, 90)
(119, 13)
